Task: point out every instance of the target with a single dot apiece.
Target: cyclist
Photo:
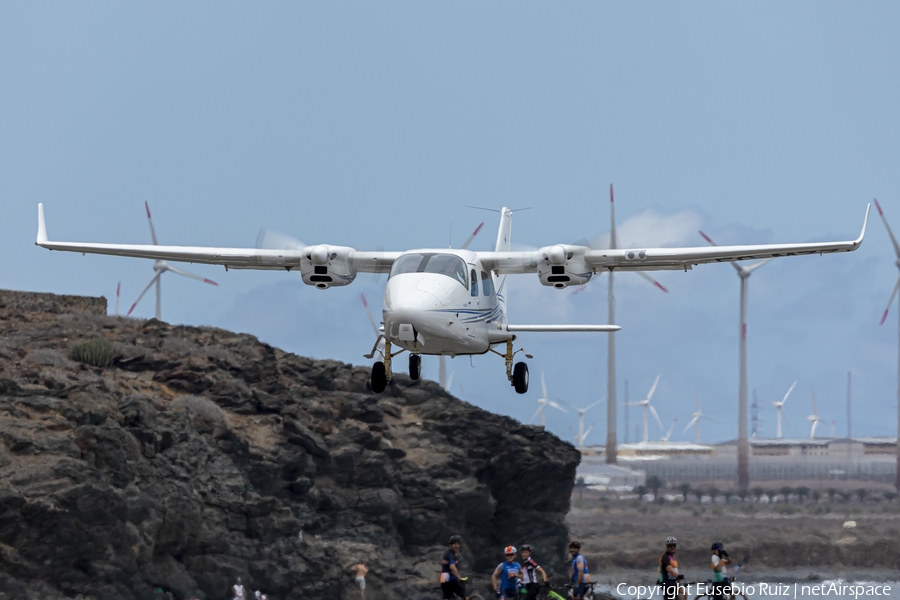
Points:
(581, 578)
(452, 584)
(530, 571)
(505, 577)
(719, 563)
(668, 569)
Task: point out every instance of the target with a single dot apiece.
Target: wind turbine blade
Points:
(791, 389)
(371, 318)
(891, 301)
(191, 275)
(450, 381)
(888, 227)
(593, 404)
(150, 220)
(543, 384)
(736, 266)
(757, 265)
(535, 415)
(472, 237)
(653, 389)
(146, 289)
(556, 406)
(569, 405)
(656, 416)
(586, 433)
(671, 429)
(653, 281)
(691, 424)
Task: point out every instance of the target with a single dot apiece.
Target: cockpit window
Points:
(427, 262)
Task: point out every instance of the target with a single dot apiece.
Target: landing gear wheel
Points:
(415, 366)
(520, 377)
(379, 377)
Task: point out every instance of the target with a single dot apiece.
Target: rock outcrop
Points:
(202, 454)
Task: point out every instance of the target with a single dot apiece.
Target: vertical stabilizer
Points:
(504, 238)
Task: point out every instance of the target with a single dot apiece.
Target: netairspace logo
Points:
(775, 590)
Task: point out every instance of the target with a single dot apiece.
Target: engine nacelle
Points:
(327, 266)
(560, 266)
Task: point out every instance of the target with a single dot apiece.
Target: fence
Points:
(768, 469)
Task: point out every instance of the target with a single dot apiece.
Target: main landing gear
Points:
(381, 371)
(518, 374)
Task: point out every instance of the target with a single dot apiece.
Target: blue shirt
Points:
(449, 559)
(578, 558)
(508, 573)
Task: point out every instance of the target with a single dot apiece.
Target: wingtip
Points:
(862, 233)
(42, 225)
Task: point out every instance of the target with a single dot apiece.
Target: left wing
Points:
(581, 259)
(344, 261)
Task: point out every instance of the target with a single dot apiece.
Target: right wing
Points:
(230, 258)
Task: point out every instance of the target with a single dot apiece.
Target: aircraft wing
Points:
(230, 258)
(653, 259)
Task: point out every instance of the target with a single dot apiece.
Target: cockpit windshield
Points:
(428, 262)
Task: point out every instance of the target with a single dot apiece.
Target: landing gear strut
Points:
(518, 375)
(381, 371)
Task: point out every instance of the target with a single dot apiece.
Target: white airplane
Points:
(452, 302)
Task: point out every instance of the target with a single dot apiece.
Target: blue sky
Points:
(375, 124)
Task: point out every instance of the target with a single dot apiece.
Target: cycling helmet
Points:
(575, 544)
(525, 547)
(509, 550)
(671, 541)
(454, 539)
(716, 546)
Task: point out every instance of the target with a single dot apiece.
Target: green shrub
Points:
(98, 353)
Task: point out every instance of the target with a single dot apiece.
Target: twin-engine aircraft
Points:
(452, 302)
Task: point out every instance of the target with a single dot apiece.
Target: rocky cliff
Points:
(200, 455)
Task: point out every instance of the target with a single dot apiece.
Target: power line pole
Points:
(626, 411)
(849, 400)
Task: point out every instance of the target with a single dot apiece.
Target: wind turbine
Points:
(743, 446)
(611, 422)
(160, 267)
(779, 410)
(695, 420)
(883, 318)
(666, 437)
(813, 418)
(646, 406)
(544, 402)
(581, 433)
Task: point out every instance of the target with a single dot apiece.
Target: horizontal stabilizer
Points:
(562, 328)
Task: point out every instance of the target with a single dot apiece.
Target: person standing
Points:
(530, 572)
(505, 577)
(669, 576)
(360, 570)
(581, 577)
(452, 583)
(719, 563)
(238, 590)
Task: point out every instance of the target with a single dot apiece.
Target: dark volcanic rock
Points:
(201, 454)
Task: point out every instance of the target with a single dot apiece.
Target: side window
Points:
(487, 284)
(474, 284)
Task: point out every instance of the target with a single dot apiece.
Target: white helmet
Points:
(671, 541)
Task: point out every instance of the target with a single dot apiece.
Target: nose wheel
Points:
(415, 366)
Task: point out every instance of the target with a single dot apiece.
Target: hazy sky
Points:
(374, 124)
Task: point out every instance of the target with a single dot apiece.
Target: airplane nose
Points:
(409, 298)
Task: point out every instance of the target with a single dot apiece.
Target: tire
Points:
(379, 377)
(415, 366)
(520, 377)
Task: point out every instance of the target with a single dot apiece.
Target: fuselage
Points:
(439, 301)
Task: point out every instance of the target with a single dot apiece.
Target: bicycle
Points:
(563, 593)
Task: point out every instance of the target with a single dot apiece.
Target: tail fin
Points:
(504, 239)
(504, 235)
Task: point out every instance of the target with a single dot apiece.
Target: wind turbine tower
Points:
(611, 454)
(544, 402)
(813, 418)
(743, 445)
(883, 318)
